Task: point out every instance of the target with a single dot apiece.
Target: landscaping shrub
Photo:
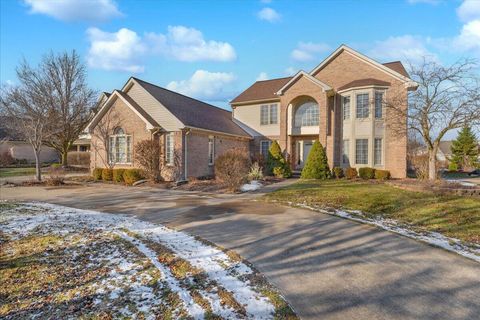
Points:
(130, 176)
(107, 174)
(366, 173)
(316, 166)
(147, 154)
(118, 175)
(55, 165)
(97, 174)
(232, 168)
(276, 162)
(452, 166)
(256, 172)
(6, 159)
(351, 173)
(382, 174)
(56, 175)
(337, 172)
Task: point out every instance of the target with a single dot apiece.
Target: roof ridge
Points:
(274, 79)
(181, 94)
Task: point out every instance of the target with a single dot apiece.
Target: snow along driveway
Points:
(146, 269)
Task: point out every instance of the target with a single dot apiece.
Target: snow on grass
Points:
(471, 251)
(251, 186)
(225, 292)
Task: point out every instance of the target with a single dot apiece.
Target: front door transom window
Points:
(307, 114)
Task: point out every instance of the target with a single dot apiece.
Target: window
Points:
(268, 114)
(362, 106)
(377, 148)
(307, 114)
(264, 147)
(120, 147)
(345, 152)
(378, 104)
(211, 150)
(346, 108)
(169, 148)
(361, 151)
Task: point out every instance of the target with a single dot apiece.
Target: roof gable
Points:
(299, 75)
(390, 69)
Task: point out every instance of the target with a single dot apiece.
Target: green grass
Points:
(453, 216)
(13, 172)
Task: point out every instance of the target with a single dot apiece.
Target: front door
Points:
(303, 149)
(307, 145)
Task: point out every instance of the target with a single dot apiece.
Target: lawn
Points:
(452, 216)
(58, 263)
(12, 172)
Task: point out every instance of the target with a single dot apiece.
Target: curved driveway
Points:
(326, 267)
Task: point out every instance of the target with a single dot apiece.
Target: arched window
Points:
(307, 114)
(120, 147)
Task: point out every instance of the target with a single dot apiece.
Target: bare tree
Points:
(148, 154)
(27, 109)
(69, 97)
(101, 133)
(447, 98)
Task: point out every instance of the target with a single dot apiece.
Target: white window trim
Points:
(170, 162)
(368, 151)
(261, 143)
(349, 107)
(115, 136)
(269, 119)
(369, 104)
(383, 92)
(301, 124)
(346, 152)
(212, 150)
(381, 152)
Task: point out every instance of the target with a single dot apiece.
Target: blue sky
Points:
(212, 50)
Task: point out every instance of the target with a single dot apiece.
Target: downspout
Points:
(185, 170)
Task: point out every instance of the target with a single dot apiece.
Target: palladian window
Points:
(307, 114)
(120, 147)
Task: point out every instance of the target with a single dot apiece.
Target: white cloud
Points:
(269, 14)
(262, 76)
(188, 44)
(120, 50)
(124, 50)
(469, 38)
(75, 10)
(407, 48)
(205, 85)
(469, 10)
(308, 51)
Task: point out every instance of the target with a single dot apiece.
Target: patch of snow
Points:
(471, 251)
(252, 186)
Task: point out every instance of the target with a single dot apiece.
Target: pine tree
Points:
(276, 163)
(316, 166)
(465, 149)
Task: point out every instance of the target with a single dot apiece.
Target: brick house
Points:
(342, 103)
(191, 133)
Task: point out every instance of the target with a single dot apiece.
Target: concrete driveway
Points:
(326, 267)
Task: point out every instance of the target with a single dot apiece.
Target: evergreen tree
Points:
(316, 166)
(465, 149)
(276, 163)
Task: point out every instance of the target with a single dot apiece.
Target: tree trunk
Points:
(38, 172)
(64, 154)
(432, 164)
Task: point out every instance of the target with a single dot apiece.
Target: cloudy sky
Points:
(212, 50)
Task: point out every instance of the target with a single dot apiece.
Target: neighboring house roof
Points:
(81, 142)
(262, 90)
(363, 83)
(6, 132)
(194, 113)
(398, 67)
(299, 75)
(445, 147)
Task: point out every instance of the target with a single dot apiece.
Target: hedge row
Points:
(127, 176)
(364, 173)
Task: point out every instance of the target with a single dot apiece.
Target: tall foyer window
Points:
(120, 147)
(378, 105)
(362, 106)
(268, 114)
(345, 152)
(211, 150)
(307, 114)
(169, 149)
(346, 108)
(377, 149)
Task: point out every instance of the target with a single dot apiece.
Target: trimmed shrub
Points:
(351, 173)
(97, 173)
(118, 175)
(382, 174)
(276, 162)
(107, 174)
(366, 173)
(232, 168)
(130, 176)
(337, 172)
(316, 166)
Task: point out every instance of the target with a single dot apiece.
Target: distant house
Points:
(444, 153)
(20, 149)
